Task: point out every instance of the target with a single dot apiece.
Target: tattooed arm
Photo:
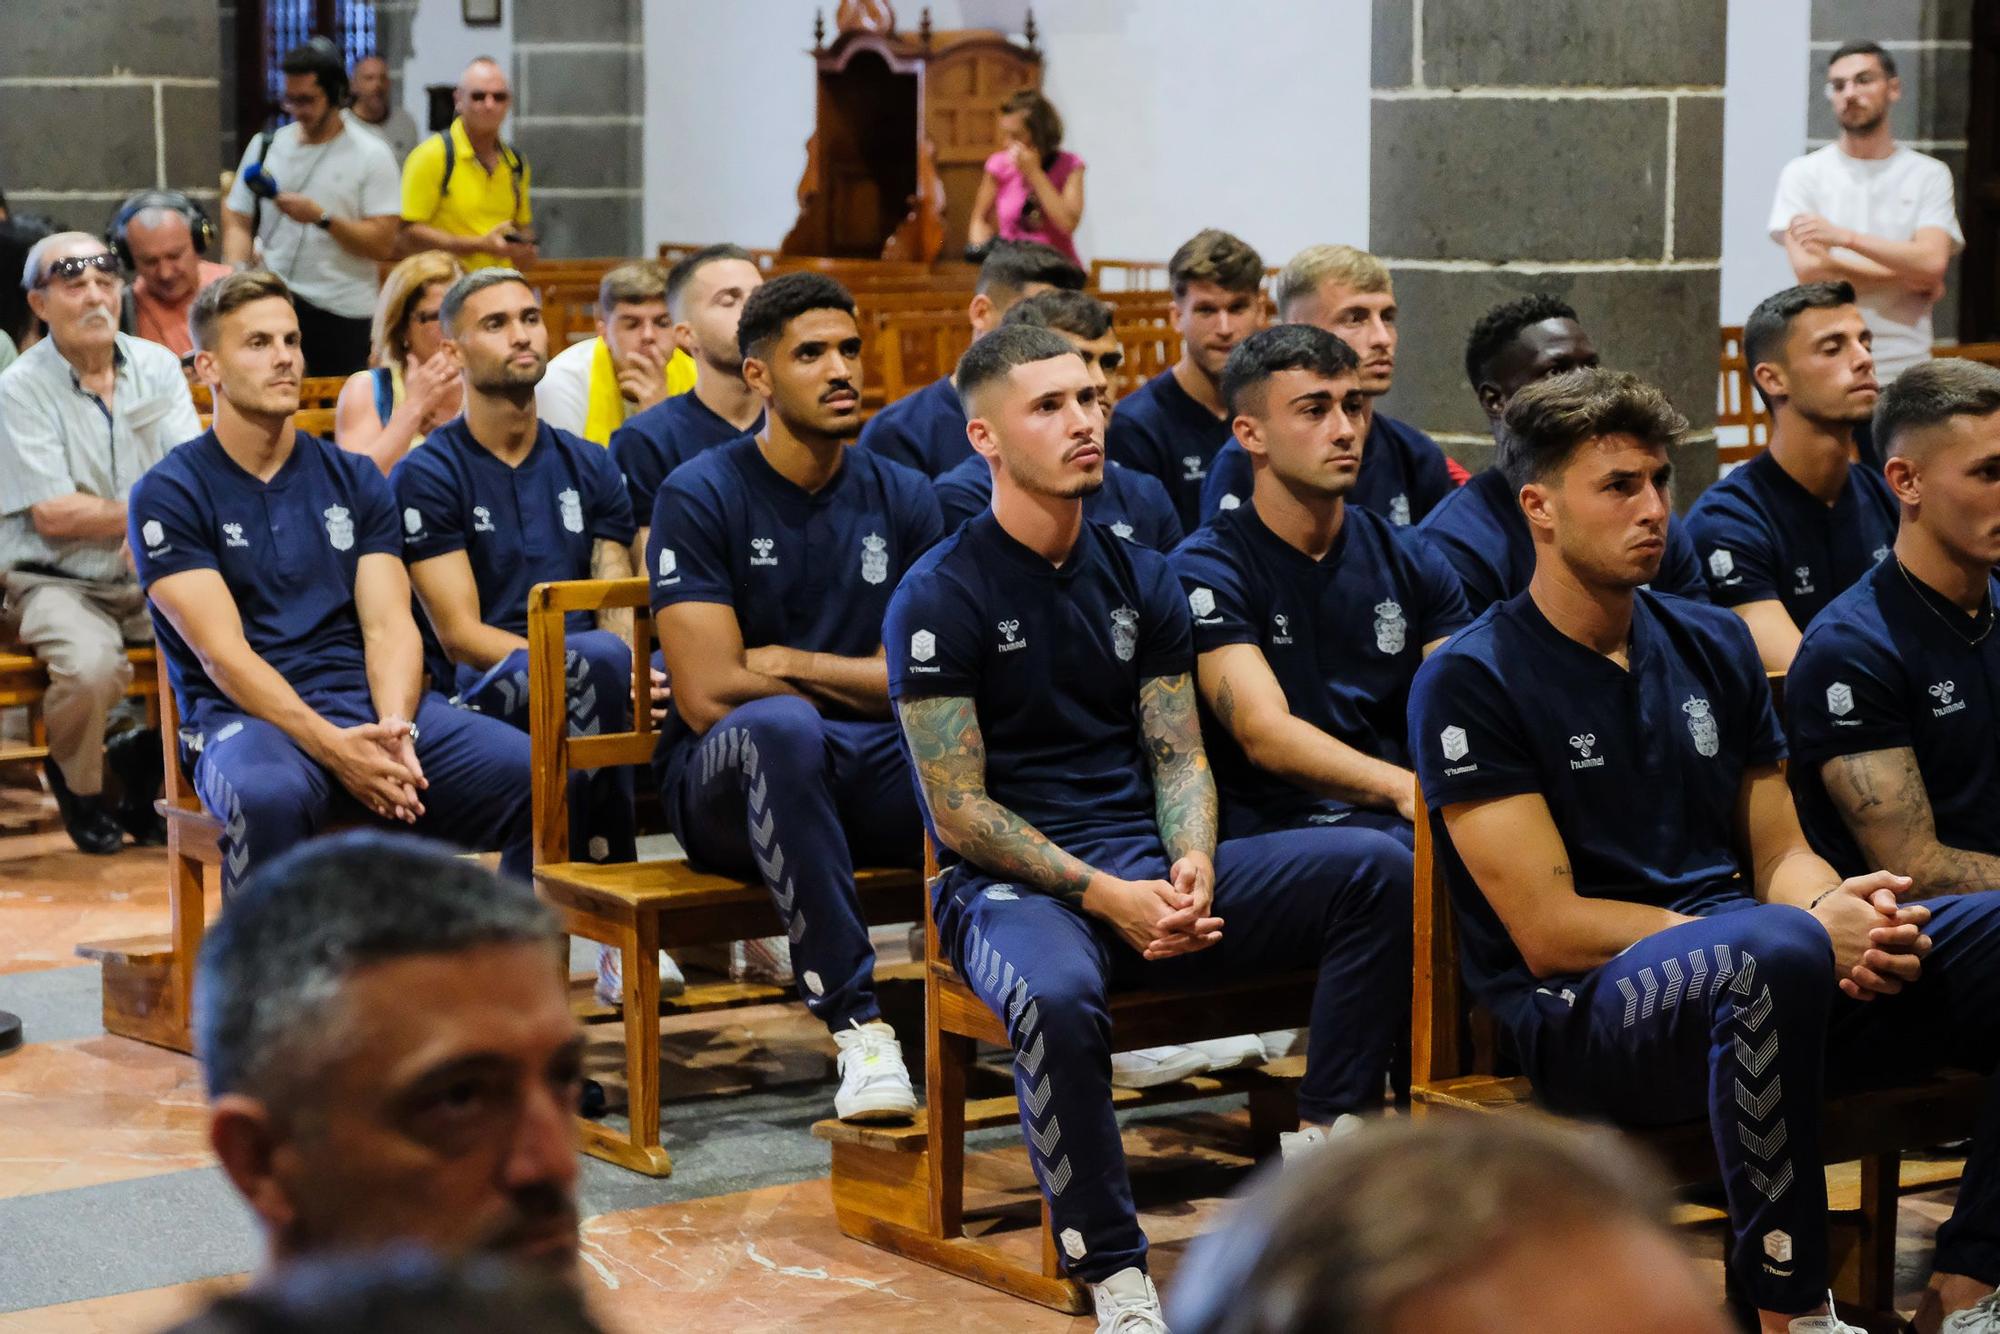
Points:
(1183, 788)
(1881, 796)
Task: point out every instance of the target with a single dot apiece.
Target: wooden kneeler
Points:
(641, 907)
(1452, 1069)
(902, 1188)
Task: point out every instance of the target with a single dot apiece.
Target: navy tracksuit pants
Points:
(599, 670)
(1335, 900)
(270, 795)
(776, 791)
(1736, 1017)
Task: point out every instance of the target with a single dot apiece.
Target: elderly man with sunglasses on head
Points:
(83, 414)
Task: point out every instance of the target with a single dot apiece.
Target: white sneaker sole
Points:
(877, 1108)
(1229, 1053)
(1168, 1070)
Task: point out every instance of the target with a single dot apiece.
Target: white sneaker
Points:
(611, 976)
(1228, 1053)
(1307, 1139)
(767, 960)
(1982, 1317)
(1148, 1067)
(1282, 1042)
(1128, 1303)
(874, 1083)
(1833, 1324)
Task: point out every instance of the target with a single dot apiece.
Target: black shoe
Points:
(135, 758)
(90, 825)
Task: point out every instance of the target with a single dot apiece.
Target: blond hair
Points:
(1313, 267)
(389, 335)
(645, 280)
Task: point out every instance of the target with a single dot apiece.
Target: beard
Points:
(507, 378)
(1862, 122)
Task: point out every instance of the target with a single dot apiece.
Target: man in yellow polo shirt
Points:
(466, 191)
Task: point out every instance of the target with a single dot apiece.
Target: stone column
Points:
(579, 100)
(1572, 147)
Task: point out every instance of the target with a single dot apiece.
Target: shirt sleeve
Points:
(687, 553)
(958, 498)
(1228, 482)
(1935, 207)
(642, 457)
(376, 530)
(610, 503)
(561, 399)
(1764, 739)
(239, 199)
(1166, 640)
(1465, 737)
(423, 179)
(1445, 612)
(1430, 479)
(1477, 581)
(886, 437)
(381, 184)
(930, 637)
(1159, 523)
(1844, 695)
(1680, 572)
(1218, 604)
(920, 518)
(1129, 442)
(33, 464)
(167, 529)
(433, 510)
(1793, 198)
(1732, 550)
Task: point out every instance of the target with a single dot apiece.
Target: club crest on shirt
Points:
(1123, 530)
(1803, 574)
(1193, 471)
(339, 527)
(232, 535)
(1201, 601)
(482, 519)
(1840, 699)
(667, 565)
(1399, 511)
(1124, 633)
(572, 508)
(152, 534)
(1701, 726)
(1721, 564)
(1281, 628)
(1881, 554)
(763, 546)
(1942, 691)
(874, 558)
(1391, 630)
(1010, 636)
(413, 521)
(1228, 502)
(1585, 742)
(923, 647)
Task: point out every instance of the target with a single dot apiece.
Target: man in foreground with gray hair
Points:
(83, 414)
(390, 1056)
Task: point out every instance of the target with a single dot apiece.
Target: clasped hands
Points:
(1160, 918)
(1878, 941)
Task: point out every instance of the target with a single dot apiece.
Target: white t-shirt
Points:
(562, 399)
(1892, 197)
(352, 175)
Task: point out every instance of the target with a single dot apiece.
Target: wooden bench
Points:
(23, 682)
(1453, 1068)
(902, 1188)
(642, 907)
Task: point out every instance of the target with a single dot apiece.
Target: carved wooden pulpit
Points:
(905, 123)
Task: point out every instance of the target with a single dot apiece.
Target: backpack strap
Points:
(264, 139)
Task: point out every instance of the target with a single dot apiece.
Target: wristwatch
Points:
(324, 221)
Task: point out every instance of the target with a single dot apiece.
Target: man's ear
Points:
(1538, 504)
(1905, 479)
(980, 435)
(985, 316)
(758, 376)
(1770, 377)
(205, 368)
(1492, 400)
(1249, 432)
(245, 1137)
(683, 336)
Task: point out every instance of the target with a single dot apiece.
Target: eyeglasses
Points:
(498, 99)
(75, 266)
(425, 316)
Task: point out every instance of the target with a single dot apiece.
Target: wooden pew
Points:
(1737, 403)
(917, 347)
(23, 682)
(1149, 349)
(1128, 275)
(1453, 1069)
(643, 907)
(569, 310)
(902, 1188)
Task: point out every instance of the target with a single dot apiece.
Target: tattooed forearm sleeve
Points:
(950, 756)
(1881, 797)
(1183, 788)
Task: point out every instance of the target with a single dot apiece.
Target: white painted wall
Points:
(441, 46)
(1188, 114)
(1763, 127)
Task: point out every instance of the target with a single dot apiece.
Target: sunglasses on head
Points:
(71, 268)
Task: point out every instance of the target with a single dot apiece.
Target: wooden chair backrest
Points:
(1737, 403)
(1986, 354)
(1128, 275)
(1149, 349)
(917, 348)
(569, 312)
(175, 787)
(553, 751)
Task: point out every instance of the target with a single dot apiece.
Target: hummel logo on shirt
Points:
(763, 546)
(232, 535)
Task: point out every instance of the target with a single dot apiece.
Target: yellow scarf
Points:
(605, 408)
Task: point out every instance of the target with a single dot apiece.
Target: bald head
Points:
(482, 96)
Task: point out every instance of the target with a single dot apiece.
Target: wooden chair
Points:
(1128, 275)
(23, 682)
(1986, 354)
(1737, 404)
(1149, 349)
(1452, 1068)
(642, 907)
(902, 1188)
(919, 347)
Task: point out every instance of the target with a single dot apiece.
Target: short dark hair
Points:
(1863, 48)
(1764, 333)
(1501, 325)
(1214, 256)
(226, 296)
(275, 961)
(1282, 347)
(1045, 125)
(996, 354)
(1551, 419)
(683, 272)
(469, 285)
(321, 59)
(1076, 313)
(1931, 393)
(780, 301)
(1012, 265)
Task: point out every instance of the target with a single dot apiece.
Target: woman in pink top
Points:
(1032, 190)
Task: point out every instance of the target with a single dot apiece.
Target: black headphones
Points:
(199, 227)
(322, 60)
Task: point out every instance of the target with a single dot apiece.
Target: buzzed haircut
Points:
(1764, 333)
(227, 295)
(995, 355)
(682, 273)
(1282, 347)
(1864, 48)
(1076, 313)
(1214, 256)
(1930, 394)
(1312, 268)
(780, 301)
(272, 968)
(629, 284)
(470, 286)
(1011, 265)
(1551, 419)
(1501, 325)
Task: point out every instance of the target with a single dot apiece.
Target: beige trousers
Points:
(79, 629)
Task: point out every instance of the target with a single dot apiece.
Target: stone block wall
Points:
(579, 102)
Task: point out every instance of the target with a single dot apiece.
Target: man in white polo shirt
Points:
(1865, 211)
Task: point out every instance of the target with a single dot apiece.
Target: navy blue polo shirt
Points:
(1892, 663)
(1642, 769)
(663, 437)
(1052, 658)
(809, 570)
(1159, 429)
(1343, 634)
(1480, 529)
(518, 526)
(1402, 475)
(1131, 504)
(1760, 536)
(924, 430)
(287, 548)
